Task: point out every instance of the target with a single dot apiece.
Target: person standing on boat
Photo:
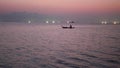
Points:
(70, 26)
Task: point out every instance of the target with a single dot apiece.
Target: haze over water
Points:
(78, 10)
(50, 46)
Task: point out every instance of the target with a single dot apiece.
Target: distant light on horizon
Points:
(53, 21)
(104, 22)
(47, 21)
(29, 21)
(115, 22)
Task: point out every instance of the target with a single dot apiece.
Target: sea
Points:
(50, 46)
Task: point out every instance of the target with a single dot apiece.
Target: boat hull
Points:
(68, 27)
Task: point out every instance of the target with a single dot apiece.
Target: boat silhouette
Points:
(68, 27)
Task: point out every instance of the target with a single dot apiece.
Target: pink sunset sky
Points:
(60, 6)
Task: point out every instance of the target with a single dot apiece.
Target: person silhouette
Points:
(70, 26)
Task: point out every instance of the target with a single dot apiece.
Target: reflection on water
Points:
(35, 46)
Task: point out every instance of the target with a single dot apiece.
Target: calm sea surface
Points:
(50, 46)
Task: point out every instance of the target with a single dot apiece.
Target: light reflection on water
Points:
(35, 46)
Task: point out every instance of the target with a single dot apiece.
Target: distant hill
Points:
(78, 18)
(20, 17)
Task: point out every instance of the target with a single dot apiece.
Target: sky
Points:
(60, 6)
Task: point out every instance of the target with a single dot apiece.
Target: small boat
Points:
(70, 27)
